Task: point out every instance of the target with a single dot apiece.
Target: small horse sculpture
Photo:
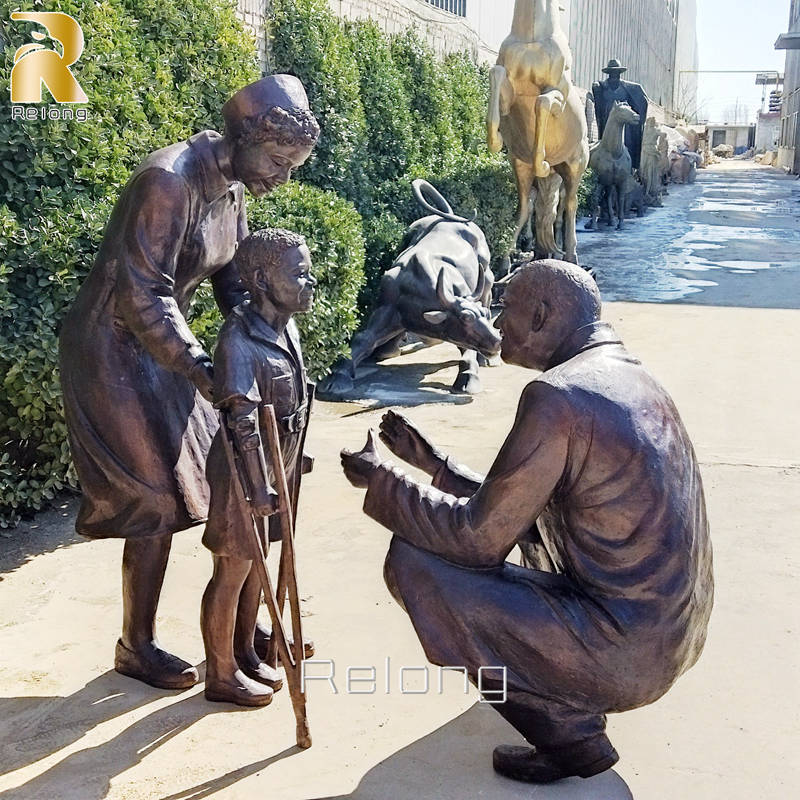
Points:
(536, 111)
(611, 162)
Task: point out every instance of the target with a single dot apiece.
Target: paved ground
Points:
(71, 728)
(731, 239)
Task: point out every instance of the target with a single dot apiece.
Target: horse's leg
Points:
(527, 231)
(546, 246)
(549, 103)
(610, 203)
(500, 100)
(622, 199)
(523, 172)
(571, 176)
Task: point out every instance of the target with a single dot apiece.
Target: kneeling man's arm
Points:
(481, 531)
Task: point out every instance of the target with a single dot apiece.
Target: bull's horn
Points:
(443, 209)
(481, 287)
(443, 291)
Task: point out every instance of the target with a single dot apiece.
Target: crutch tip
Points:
(304, 741)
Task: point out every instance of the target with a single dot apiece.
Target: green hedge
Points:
(155, 71)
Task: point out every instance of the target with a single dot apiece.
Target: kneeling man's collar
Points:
(584, 338)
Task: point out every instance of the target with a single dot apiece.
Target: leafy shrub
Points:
(382, 234)
(155, 71)
(391, 148)
(586, 192)
(390, 112)
(309, 41)
(484, 184)
(332, 228)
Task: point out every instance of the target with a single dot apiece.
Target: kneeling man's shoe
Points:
(533, 766)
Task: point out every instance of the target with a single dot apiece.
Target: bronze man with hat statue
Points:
(615, 90)
(137, 384)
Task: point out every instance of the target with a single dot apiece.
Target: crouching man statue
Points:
(599, 484)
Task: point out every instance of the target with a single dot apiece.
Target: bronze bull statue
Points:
(439, 288)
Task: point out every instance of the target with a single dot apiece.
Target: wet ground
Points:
(731, 239)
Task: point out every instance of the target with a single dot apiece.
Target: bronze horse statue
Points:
(611, 163)
(536, 111)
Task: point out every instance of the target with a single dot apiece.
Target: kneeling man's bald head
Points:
(544, 302)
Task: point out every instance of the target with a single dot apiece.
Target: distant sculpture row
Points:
(536, 112)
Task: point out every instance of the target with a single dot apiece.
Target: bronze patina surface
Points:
(615, 90)
(259, 363)
(599, 484)
(137, 384)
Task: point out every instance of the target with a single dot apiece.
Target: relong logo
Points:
(35, 64)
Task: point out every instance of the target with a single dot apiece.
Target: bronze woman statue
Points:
(137, 384)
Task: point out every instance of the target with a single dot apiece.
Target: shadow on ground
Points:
(401, 383)
(455, 762)
(46, 532)
(53, 723)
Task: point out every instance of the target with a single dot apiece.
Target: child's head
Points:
(276, 263)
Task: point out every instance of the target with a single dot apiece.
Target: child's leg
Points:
(225, 682)
(246, 618)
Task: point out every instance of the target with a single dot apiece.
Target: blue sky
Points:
(737, 35)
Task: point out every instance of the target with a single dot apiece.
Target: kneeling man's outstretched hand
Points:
(359, 466)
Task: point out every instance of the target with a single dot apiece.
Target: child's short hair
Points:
(263, 250)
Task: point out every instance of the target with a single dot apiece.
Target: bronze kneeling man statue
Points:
(598, 484)
(258, 362)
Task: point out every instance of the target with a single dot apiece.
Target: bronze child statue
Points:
(137, 384)
(258, 362)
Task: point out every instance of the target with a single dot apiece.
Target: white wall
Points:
(768, 131)
(687, 57)
(492, 20)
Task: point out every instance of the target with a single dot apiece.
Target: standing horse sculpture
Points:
(611, 163)
(536, 111)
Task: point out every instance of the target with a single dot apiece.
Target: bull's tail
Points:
(442, 208)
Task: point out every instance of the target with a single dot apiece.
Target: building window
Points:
(457, 7)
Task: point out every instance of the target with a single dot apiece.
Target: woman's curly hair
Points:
(290, 128)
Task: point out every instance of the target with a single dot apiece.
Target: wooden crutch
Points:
(285, 567)
(260, 543)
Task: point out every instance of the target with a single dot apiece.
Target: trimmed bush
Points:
(309, 41)
(155, 71)
(333, 230)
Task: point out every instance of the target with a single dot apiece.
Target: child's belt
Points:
(295, 422)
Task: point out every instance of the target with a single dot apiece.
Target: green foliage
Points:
(155, 71)
(391, 148)
(383, 234)
(586, 192)
(309, 42)
(332, 228)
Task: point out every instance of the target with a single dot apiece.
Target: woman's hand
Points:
(202, 376)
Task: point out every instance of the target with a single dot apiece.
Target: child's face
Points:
(291, 285)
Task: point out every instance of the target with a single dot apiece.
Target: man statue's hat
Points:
(255, 99)
(614, 65)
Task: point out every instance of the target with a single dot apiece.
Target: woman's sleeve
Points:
(229, 291)
(153, 236)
